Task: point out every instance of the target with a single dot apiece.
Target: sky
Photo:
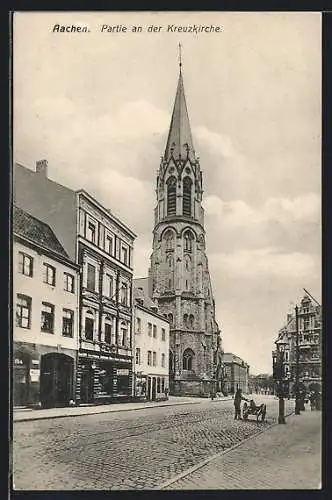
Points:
(97, 106)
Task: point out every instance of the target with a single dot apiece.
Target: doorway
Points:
(56, 379)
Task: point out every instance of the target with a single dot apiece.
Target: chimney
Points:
(41, 167)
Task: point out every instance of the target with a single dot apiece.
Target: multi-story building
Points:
(103, 247)
(309, 347)
(151, 344)
(46, 315)
(236, 374)
(179, 273)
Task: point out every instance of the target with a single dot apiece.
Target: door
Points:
(56, 379)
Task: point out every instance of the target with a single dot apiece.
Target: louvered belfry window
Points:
(186, 200)
(171, 196)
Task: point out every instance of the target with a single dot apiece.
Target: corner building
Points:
(179, 273)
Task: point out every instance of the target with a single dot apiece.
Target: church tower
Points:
(179, 273)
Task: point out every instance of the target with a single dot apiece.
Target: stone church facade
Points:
(179, 274)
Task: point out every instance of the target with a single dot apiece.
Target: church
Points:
(179, 279)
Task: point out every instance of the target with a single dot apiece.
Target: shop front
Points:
(157, 387)
(103, 378)
(25, 375)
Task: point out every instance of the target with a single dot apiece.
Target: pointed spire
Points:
(179, 140)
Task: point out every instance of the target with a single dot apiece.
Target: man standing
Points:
(237, 404)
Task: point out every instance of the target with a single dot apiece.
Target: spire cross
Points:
(180, 56)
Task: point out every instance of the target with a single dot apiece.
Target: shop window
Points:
(25, 264)
(149, 358)
(150, 329)
(138, 356)
(162, 384)
(163, 334)
(69, 282)
(67, 323)
(154, 331)
(91, 277)
(49, 274)
(47, 317)
(158, 385)
(163, 360)
(23, 311)
(188, 357)
(154, 358)
(108, 330)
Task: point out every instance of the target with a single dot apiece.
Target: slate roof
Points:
(27, 226)
(179, 133)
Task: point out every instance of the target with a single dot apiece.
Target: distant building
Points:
(310, 353)
(261, 384)
(236, 373)
(151, 346)
(102, 245)
(46, 315)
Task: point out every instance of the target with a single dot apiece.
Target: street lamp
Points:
(297, 366)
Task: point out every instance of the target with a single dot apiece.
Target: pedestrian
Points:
(237, 404)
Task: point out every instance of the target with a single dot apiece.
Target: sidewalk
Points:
(283, 457)
(24, 414)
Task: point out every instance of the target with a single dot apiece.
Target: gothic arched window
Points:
(171, 196)
(188, 241)
(188, 357)
(169, 238)
(170, 319)
(185, 320)
(186, 199)
(187, 263)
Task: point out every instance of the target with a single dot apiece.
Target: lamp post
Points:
(297, 366)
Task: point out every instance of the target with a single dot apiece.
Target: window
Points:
(124, 334)
(47, 317)
(108, 330)
(188, 356)
(154, 358)
(170, 319)
(149, 358)
(150, 329)
(188, 241)
(171, 196)
(186, 200)
(138, 356)
(89, 325)
(124, 255)
(306, 323)
(187, 263)
(25, 264)
(67, 323)
(158, 384)
(91, 232)
(49, 274)
(109, 245)
(91, 279)
(185, 320)
(109, 292)
(162, 384)
(163, 334)
(191, 321)
(169, 238)
(154, 331)
(23, 311)
(69, 282)
(163, 360)
(171, 361)
(138, 325)
(124, 294)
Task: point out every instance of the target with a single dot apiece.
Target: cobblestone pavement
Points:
(285, 457)
(128, 450)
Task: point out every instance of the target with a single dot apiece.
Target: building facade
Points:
(151, 347)
(309, 347)
(179, 274)
(105, 253)
(236, 374)
(46, 315)
(103, 248)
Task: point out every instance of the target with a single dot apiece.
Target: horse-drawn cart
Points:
(259, 411)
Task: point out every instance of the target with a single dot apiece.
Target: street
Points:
(129, 450)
